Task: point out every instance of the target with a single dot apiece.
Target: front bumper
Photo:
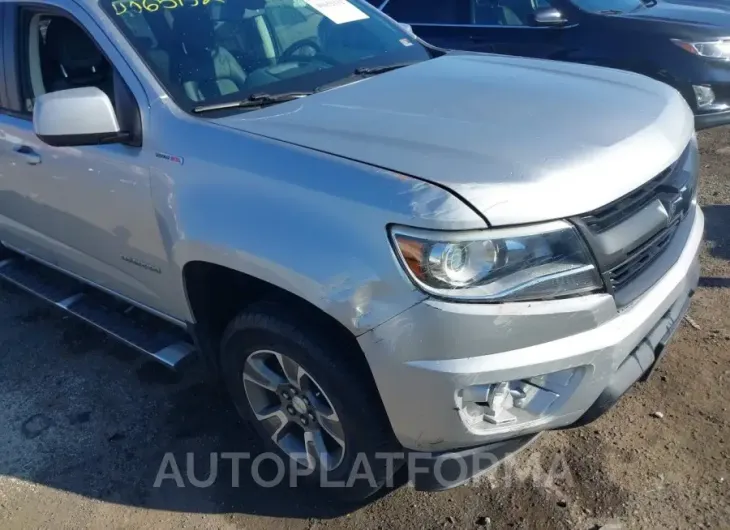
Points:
(712, 119)
(448, 469)
(641, 362)
(423, 359)
(713, 75)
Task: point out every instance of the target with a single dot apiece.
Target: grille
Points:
(615, 213)
(640, 258)
(674, 191)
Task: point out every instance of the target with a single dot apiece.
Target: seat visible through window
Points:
(498, 13)
(70, 59)
(507, 12)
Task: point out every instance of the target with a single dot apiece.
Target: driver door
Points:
(87, 210)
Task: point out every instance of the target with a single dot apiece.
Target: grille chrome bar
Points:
(625, 253)
(615, 213)
(640, 258)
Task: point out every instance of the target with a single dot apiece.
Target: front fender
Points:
(307, 222)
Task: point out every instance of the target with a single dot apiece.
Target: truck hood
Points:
(521, 140)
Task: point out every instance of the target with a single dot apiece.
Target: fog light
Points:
(518, 401)
(704, 95)
(499, 404)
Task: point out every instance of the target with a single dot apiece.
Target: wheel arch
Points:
(216, 294)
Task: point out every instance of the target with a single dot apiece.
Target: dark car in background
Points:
(682, 43)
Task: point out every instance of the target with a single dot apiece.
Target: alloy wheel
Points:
(294, 410)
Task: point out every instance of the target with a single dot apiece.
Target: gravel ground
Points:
(86, 423)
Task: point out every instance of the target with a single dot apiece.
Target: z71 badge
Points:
(171, 158)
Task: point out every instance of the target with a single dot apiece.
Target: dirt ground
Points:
(85, 423)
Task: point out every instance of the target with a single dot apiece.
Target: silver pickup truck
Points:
(377, 246)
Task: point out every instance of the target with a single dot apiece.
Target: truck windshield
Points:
(599, 6)
(209, 52)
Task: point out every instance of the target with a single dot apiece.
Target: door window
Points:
(59, 55)
(429, 11)
(56, 53)
(506, 12)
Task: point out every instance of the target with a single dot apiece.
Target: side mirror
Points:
(78, 116)
(406, 27)
(549, 16)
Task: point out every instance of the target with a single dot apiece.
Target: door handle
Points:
(31, 157)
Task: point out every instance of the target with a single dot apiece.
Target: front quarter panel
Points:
(308, 222)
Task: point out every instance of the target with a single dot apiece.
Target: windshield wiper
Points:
(263, 100)
(375, 70)
(254, 100)
(363, 71)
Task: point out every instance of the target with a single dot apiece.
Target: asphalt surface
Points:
(85, 424)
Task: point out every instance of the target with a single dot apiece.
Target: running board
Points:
(133, 326)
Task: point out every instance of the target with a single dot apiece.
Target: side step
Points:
(147, 333)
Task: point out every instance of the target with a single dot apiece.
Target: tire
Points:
(346, 384)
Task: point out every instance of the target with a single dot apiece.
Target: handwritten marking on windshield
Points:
(122, 7)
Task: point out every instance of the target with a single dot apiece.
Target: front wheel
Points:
(309, 400)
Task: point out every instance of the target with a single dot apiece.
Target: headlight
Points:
(719, 49)
(523, 263)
